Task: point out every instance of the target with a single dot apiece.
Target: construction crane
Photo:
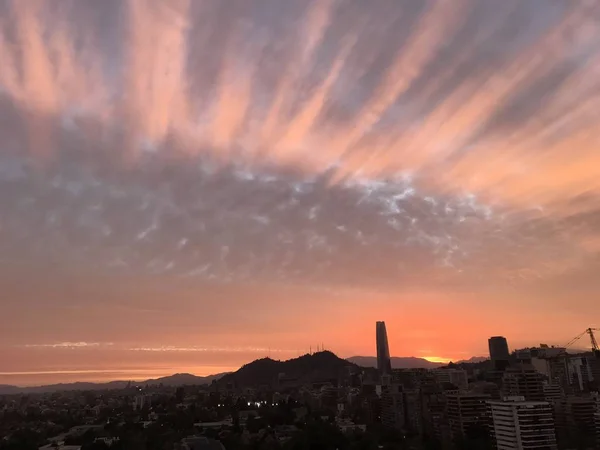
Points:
(590, 332)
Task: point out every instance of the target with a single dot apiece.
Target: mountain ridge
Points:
(398, 362)
(177, 379)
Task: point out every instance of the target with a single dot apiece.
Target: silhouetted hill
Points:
(408, 362)
(473, 360)
(305, 369)
(182, 379)
(179, 379)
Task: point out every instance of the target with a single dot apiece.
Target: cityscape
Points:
(543, 398)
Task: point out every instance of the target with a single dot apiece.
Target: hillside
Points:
(307, 368)
(409, 362)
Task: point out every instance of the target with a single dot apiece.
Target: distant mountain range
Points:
(473, 360)
(309, 368)
(179, 379)
(398, 362)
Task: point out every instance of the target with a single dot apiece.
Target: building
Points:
(384, 363)
(523, 381)
(392, 406)
(433, 407)
(583, 372)
(575, 421)
(552, 392)
(597, 424)
(413, 413)
(201, 443)
(457, 377)
(465, 410)
(518, 424)
(499, 354)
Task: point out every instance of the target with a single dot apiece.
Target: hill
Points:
(179, 379)
(474, 360)
(305, 369)
(407, 362)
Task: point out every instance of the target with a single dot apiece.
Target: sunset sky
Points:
(189, 185)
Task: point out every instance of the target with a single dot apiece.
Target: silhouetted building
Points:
(384, 363)
(392, 404)
(523, 381)
(499, 354)
(518, 424)
(457, 377)
(465, 410)
(575, 421)
(412, 411)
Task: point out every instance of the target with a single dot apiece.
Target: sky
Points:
(189, 185)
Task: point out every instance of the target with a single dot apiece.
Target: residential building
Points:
(517, 424)
(465, 410)
(552, 392)
(523, 381)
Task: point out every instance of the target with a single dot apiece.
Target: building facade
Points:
(516, 424)
(465, 411)
(384, 363)
(499, 353)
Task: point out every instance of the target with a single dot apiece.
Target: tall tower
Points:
(499, 353)
(384, 364)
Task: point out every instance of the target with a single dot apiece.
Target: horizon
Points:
(197, 184)
(157, 373)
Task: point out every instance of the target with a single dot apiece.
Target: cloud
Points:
(170, 348)
(70, 345)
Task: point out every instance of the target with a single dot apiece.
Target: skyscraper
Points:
(384, 364)
(499, 353)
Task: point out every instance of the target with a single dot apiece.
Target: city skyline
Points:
(195, 184)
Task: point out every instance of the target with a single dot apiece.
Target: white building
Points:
(522, 425)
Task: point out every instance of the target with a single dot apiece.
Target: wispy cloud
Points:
(169, 348)
(70, 345)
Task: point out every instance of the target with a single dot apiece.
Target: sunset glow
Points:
(191, 185)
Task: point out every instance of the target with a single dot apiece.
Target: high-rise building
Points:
(499, 353)
(523, 381)
(464, 411)
(384, 363)
(517, 424)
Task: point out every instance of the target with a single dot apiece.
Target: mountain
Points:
(314, 367)
(182, 379)
(398, 362)
(179, 379)
(473, 360)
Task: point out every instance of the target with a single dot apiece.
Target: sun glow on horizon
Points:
(437, 359)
